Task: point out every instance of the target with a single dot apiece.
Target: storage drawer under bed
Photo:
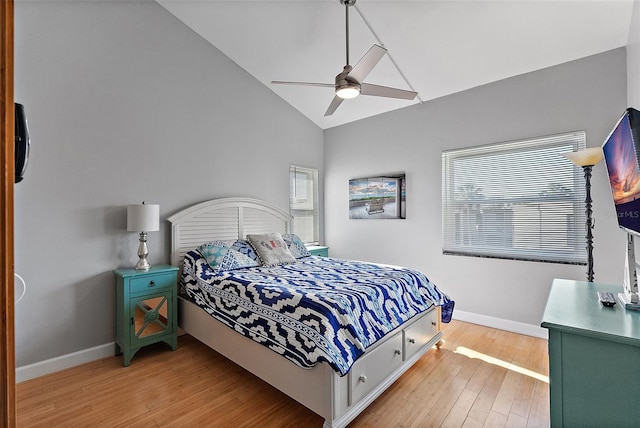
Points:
(419, 333)
(367, 373)
(376, 366)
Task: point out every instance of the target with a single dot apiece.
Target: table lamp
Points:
(143, 218)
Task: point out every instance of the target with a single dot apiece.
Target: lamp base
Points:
(143, 252)
(142, 264)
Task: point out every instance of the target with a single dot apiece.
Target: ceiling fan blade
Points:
(385, 91)
(362, 69)
(334, 105)
(323, 85)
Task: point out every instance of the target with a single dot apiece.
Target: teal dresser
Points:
(146, 309)
(594, 358)
(316, 250)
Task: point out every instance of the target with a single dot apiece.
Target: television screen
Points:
(621, 150)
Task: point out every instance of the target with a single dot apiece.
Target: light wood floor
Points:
(479, 377)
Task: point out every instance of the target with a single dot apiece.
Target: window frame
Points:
(310, 235)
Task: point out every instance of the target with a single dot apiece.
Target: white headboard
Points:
(223, 219)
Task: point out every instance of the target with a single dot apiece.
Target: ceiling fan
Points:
(349, 83)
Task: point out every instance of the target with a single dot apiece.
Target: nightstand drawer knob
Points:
(152, 283)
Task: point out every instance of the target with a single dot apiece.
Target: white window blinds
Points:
(303, 203)
(516, 200)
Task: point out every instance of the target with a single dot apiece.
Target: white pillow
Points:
(271, 249)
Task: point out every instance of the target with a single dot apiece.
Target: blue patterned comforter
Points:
(317, 309)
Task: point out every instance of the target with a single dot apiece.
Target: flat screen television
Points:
(621, 150)
(22, 142)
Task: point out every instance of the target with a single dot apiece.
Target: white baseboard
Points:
(62, 362)
(502, 324)
(80, 357)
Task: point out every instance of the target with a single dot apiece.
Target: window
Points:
(303, 203)
(517, 200)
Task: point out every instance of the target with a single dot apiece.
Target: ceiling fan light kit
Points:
(349, 83)
(346, 88)
(347, 92)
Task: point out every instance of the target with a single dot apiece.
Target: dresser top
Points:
(573, 307)
(127, 272)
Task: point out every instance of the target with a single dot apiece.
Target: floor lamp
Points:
(587, 158)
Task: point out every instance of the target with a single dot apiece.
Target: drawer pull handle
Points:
(397, 352)
(411, 340)
(152, 283)
(362, 379)
(433, 323)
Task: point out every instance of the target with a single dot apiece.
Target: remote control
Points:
(607, 299)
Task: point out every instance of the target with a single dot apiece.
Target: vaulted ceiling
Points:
(435, 47)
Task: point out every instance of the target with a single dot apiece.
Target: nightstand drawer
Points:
(152, 282)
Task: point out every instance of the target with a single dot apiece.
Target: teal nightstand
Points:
(146, 309)
(316, 250)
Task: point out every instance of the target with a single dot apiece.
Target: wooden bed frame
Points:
(337, 399)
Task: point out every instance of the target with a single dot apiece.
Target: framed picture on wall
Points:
(380, 196)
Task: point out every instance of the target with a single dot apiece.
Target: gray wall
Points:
(125, 104)
(633, 59)
(588, 94)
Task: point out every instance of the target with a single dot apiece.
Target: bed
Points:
(336, 379)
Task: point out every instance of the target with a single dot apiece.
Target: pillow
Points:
(245, 248)
(271, 249)
(225, 255)
(296, 246)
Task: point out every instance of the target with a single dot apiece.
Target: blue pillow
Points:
(221, 255)
(243, 246)
(296, 246)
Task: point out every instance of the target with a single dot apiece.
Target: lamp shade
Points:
(585, 157)
(143, 218)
